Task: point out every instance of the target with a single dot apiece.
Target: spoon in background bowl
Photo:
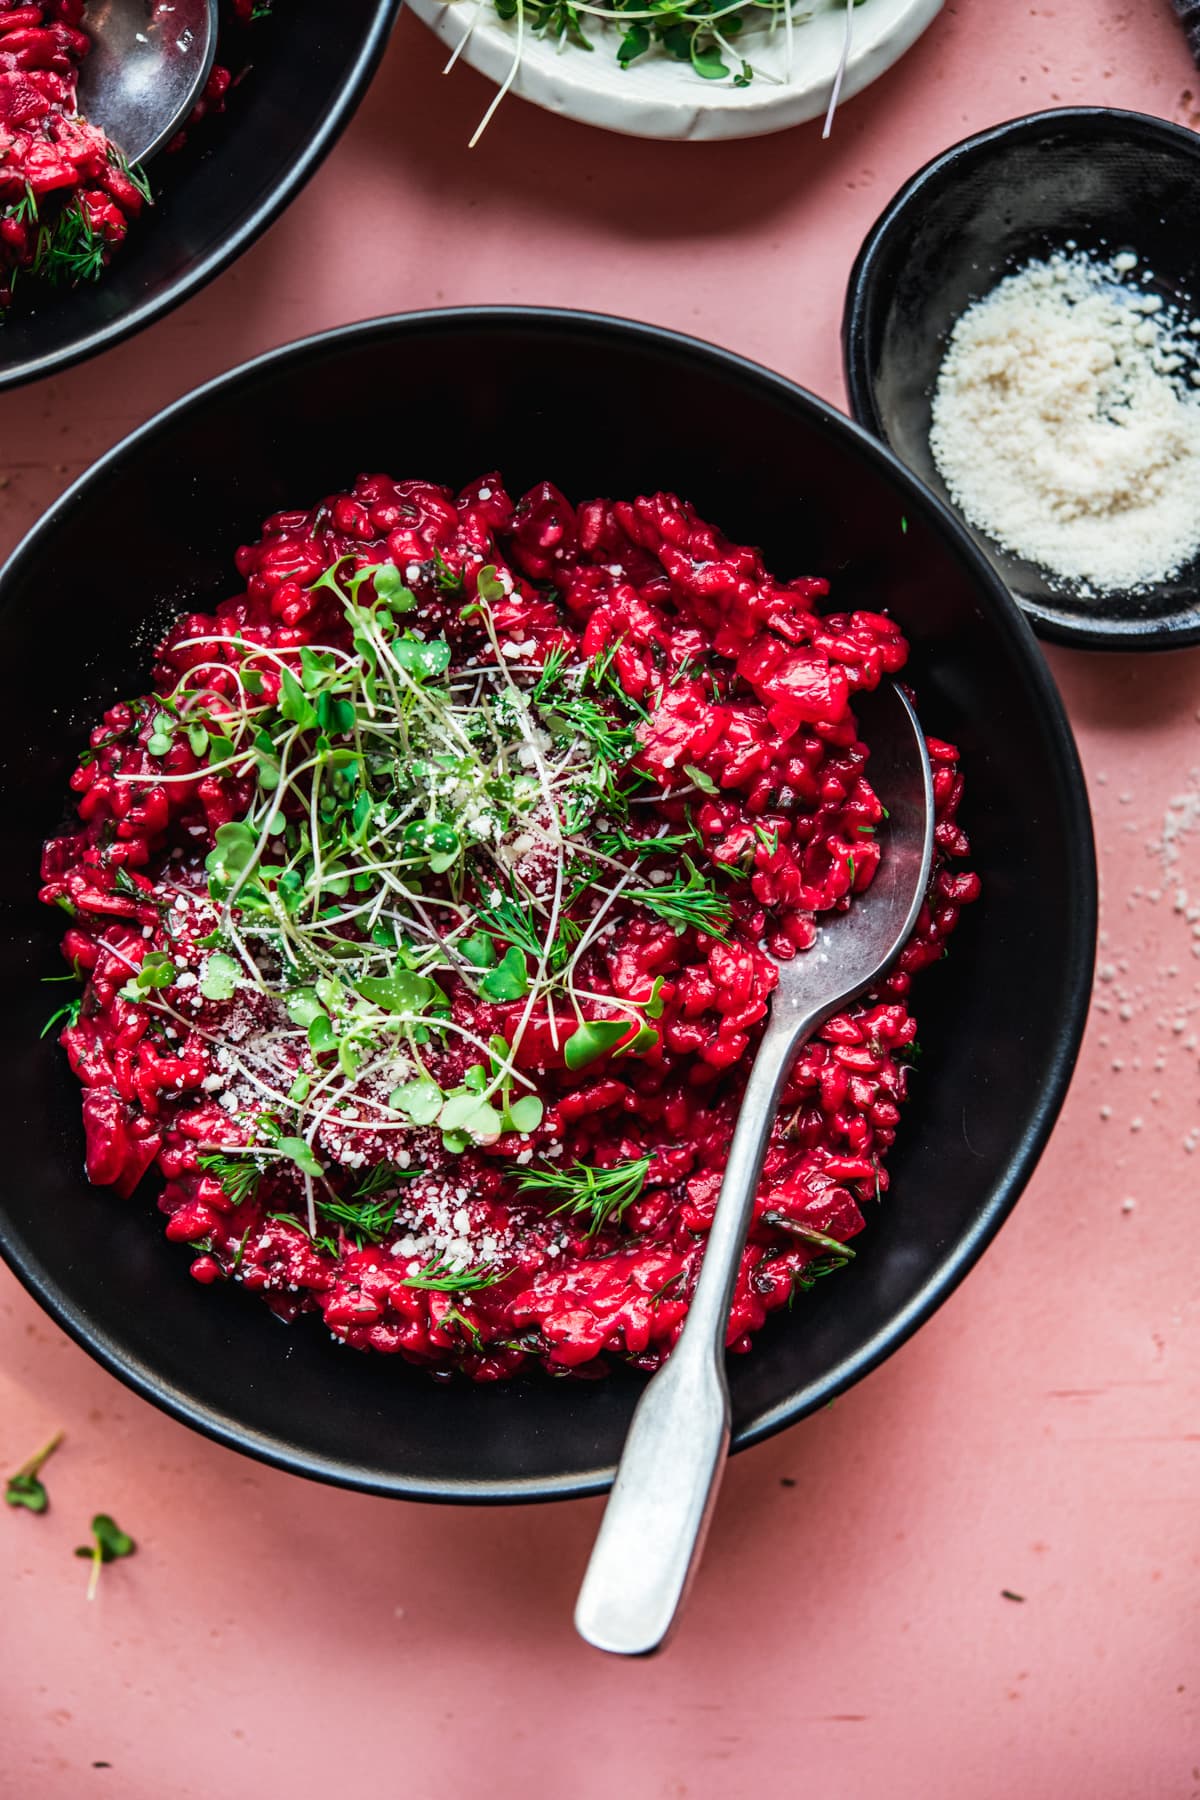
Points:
(658, 1513)
(146, 69)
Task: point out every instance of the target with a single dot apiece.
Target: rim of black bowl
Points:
(200, 273)
(1078, 848)
(1112, 634)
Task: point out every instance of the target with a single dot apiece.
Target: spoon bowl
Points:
(146, 69)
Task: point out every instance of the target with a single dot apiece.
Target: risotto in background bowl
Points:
(297, 75)
(536, 396)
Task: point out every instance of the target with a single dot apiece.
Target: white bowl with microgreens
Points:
(726, 69)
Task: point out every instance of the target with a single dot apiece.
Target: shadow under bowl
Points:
(600, 406)
(1101, 180)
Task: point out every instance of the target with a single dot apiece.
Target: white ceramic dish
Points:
(661, 97)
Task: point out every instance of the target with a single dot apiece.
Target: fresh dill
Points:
(238, 1176)
(686, 900)
(369, 1213)
(598, 1197)
(133, 173)
(70, 250)
(440, 1278)
(67, 1015)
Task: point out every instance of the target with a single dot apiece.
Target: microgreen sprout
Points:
(25, 1487)
(413, 823)
(108, 1543)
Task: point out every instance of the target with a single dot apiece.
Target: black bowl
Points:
(600, 406)
(311, 66)
(1104, 180)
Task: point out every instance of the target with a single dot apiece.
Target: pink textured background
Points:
(848, 1635)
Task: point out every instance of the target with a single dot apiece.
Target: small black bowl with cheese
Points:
(1086, 180)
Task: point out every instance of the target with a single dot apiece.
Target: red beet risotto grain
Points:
(428, 910)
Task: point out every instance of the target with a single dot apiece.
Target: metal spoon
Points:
(658, 1513)
(146, 69)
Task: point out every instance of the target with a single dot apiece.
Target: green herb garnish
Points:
(239, 1176)
(440, 1278)
(25, 1488)
(686, 900)
(108, 1543)
(597, 1196)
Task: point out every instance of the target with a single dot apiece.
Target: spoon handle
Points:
(670, 1470)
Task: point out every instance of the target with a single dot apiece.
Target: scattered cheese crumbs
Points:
(1065, 427)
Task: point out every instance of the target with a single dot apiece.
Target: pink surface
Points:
(848, 1634)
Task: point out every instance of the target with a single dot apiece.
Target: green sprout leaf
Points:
(634, 43)
(24, 1488)
(299, 1152)
(108, 1543)
(294, 703)
(509, 980)
(390, 589)
(156, 971)
(479, 949)
(466, 1113)
(592, 1039)
(221, 977)
(525, 1114)
(708, 61)
(423, 660)
(419, 1100)
(704, 782)
(489, 586)
(234, 849)
(303, 1006)
(398, 992)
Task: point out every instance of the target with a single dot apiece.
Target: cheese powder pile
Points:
(1066, 423)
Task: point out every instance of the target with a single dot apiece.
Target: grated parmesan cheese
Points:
(1066, 423)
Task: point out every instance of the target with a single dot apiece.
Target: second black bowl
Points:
(312, 63)
(1104, 180)
(601, 407)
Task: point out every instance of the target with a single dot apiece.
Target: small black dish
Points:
(311, 66)
(599, 406)
(1106, 181)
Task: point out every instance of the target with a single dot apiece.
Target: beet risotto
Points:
(428, 908)
(67, 194)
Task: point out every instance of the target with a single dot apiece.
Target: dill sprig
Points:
(369, 1213)
(599, 1197)
(440, 1278)
(133, 172)
(70, 250)
(686, 900)
(510, 918)
(239, 1176)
